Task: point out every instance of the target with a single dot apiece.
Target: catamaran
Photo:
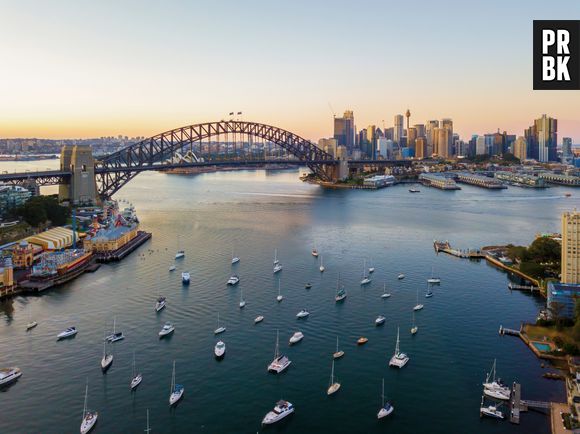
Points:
(280, 411)
(495, 388)
(418, 306)
(333, 385)
(414, 328)
(136, 377)
(176, 389)
(235, 259)
(321, 268)
(89, 417)
(433, 280)
(185, 277)
(115, 336)
(399, 359)
(107, 359)
(220, 329)
(490, 410)
(219, 350)
(280, 362)
(233, 280)
(337, 354)
(365, 278)
(69, 332)
(280, 297)
(385, 294)
(340, 292)
(387, 408)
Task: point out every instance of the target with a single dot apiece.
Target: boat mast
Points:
(332, 374)
(86, 394)
(277, 344)
(397, 346)
(148, 430)
(383, 393)
(133, 363)
(337, 344)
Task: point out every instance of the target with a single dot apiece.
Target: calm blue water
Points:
(255, 212)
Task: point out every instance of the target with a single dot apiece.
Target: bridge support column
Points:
(82, 187)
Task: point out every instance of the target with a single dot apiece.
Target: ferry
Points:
(8, 375)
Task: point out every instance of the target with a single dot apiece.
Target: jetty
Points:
(445, 247)
(126, 249)
(514, 287)
(518, 405)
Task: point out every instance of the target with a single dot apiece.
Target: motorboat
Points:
(296, 337)
(233, 280)
(185, 277)
(401, 276)
(399, 359)
(321, 268)
(414, 190)
(160, 304)
(31, 325)
(220, 329)
(333, 385)
(258, 319)
(380, 320)
(8, 375)
(69, 332)
(302, 314)
(338, 353)
(385, 294)
(89, 417)
(172, 268)
(362, 340)
(280, 411)
(167, 329)
(308, 285)
(219, 350)
(180, 254)
(176, 389)
(136, 377)
(280, 362)
(387, 408)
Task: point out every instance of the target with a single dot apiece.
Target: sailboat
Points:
(176, 389)
(365, 278)
(414, 328)
(385, 294)
(107, 359)
(235, 259)
(337, 354)
(340, 292)
(315, 252)
(321, 268)
(433, 280)
(277, 265)
(220, 329)
(280, 297)
(399, 359)
(495, 388)
(418, 306)
(371, 268)
(115, 336)
(136, 378)
(180, 253)
(387, 408)
(280, 362)
(242, 301)
(429, 292)
(89, 417)
(334, 385)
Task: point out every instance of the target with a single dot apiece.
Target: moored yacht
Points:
(115, 336)
(340, 292)
(8, 375)
(107, 359)
(366, 279)
(385, 294)
(235, 259)
(280, 411)
(167, 329)
(220, 329)
(172, 268)
(136, 377)
(296, 337)
(280, 362)
(429, 293)
(418, 306)
(490, 410)
(414, 327)
(401, 276)
(277, 268)
(89, 417)
(362, 340)
(302, 314)
(160, 303)
(380, 320)
(242, 301)
(399, 359)
(387, 407)
(321, 268)
(176, 389)
(280, 297)
(233, 280)
(333, 385)
(433, 280)
(180, 254)
(258, 319)
(219, 350)
(69, 332)
(185, 278)
(337, 354)
(495, 388)
(371, 268)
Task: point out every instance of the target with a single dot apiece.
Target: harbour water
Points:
(254, 212)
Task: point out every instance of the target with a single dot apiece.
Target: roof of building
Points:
(53, 239)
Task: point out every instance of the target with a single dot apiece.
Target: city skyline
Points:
(291, 66)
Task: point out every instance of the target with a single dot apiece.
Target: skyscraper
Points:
(547, 137)
(443, 142)
(411, 137)
(398, 131)
(520, 148)
(567, 149)
(344, 130)
(421, 148)
(429, 127)
(571, 247)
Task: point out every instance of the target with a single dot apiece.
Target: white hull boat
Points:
(280, 411)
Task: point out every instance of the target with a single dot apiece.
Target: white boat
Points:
(280, 411)
(321, 268)
(401, 276)
(315, 252)
(418, 306)
(89, 417)
(337, 354)
(340, 292)
(414, 328)
(8, 375)
(280, 297)
(494, 388)
(258, 319)
(380, 320)
(429, 293)
(31, 325)
(433, 280)
(115, 336)
(233, 280)
(302, 314)
(399, 359)
(107, 359)
(385, 294)
(185, 277)
(490, 410)
(296, 337)
(176, 389)
(167, 329)
(219, 350)
(136, 377)
(371, 268)
(180, 254)
(220, 329)
(242, 301)
(365, 280)
(69, 332)
(160, 303)
(172, 268)
(276, 261)
(387, 408)
(280, 362)
(235, 259)
(333, 385)
(277, 268)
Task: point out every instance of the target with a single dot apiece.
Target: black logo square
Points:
(557, 55)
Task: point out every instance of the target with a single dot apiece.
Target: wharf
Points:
(120, 253)
(40, 285)
(445, 247)
(516, 404)
(513, 287)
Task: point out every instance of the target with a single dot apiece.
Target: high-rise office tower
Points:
(411, 137)
(547, 138)
(571, 247)
(421, 150)
(420, 129)
(371, 141)
(429, 127)
(447, 124)
(520, 148)
(344, 130)
(567, 149)
(444, 142)
(398, 131)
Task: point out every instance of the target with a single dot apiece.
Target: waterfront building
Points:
(54, 239)
(564, 294)
(438, 180)
(12, 196)
(379, 181)
(23, 254)
(520, 148)
(556, 178)
(570, 247)
(521, 179)
(7, 283)
(398, 129)
(480, 181)
(344, 130)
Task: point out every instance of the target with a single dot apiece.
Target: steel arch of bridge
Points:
(115, 170)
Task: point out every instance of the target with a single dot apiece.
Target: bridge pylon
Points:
(81, 187)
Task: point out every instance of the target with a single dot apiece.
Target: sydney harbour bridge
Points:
(222, 143)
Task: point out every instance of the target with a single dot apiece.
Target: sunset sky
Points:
(92, 68)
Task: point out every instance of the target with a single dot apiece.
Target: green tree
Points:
(545, 249)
